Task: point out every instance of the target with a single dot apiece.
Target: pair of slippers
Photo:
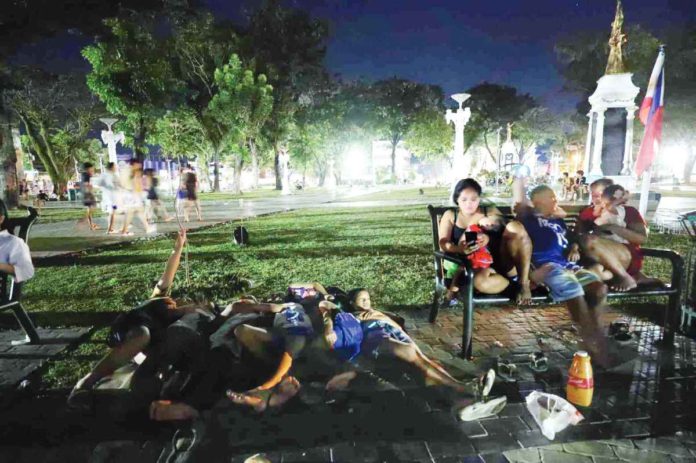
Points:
(507, 370)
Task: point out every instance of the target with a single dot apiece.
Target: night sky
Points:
(452, 43)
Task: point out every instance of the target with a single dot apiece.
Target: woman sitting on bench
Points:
(495, 251)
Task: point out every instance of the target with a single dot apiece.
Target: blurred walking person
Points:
(155, 207)
(134, 198)
(88, 198)
(110, 186)
(188, 193)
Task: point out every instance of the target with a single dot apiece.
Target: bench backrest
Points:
(19, 227)
(688, 221)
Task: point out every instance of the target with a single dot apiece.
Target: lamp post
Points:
(459, 119)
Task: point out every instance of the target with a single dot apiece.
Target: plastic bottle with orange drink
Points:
(580, 385)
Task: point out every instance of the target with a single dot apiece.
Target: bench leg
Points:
(26, 323)
(468, 320)
(671, 320)
(435, 307)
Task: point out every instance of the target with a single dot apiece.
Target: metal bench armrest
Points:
(674, 258)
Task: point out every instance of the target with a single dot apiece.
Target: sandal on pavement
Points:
(621, 332)
(538, 362)
(479, 410)
(506, 370)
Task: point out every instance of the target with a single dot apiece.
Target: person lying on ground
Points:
(580, 289)
(508, 244)
(623, 259)
(383, 337)
(142, 327)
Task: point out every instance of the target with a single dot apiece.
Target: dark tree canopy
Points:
(25, 21)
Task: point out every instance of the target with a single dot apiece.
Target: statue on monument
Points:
(617, 40)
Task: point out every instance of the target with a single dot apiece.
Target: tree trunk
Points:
(139, 140)
(490, 152)
(238, 165)
(254, 163)
(216, 172)
(689, 163)
(8, 179)
(276, 167)
(393, 158)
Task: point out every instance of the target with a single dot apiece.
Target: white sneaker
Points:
(481, 410)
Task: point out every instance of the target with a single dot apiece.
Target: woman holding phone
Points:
(461, 232)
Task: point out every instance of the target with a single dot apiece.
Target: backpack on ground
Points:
(240, 235)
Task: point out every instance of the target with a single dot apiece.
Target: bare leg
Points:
(164, 410)
(489, 282)
(453, 289)
(136, 341)
(112, 220)
(127, 221)
(586, 311)
(614, 256)
(516, 252)
(143, 220)
(408, 353)
(197, 204)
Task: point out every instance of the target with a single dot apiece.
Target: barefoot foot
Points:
(623, 283)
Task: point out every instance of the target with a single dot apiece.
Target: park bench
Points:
(11, 291)
(472, 299)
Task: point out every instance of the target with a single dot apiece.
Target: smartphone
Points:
(471, 237)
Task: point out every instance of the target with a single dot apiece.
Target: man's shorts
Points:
(567, 283)
(375, 332)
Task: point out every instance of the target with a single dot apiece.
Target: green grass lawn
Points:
(435, 194)
(387, 250)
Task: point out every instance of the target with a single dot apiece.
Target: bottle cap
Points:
(581, 353)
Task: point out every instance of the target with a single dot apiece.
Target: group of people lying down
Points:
(254, 353)
(537, 249)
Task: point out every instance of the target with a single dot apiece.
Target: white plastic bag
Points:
(552, 413)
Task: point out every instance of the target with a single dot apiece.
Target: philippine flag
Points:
(651, 112)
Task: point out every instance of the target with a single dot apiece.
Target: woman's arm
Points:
(445, 231)
(165, 282)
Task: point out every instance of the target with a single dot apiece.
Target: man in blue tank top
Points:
(581, 290)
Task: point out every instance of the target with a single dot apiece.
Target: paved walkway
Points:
(64, 237)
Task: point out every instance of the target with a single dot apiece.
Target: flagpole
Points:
(645, 192)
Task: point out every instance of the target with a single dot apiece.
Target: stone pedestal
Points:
(609, 145)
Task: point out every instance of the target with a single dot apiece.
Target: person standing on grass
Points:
(110, 186)
(623, 260)
(580, 289)
(88, 198)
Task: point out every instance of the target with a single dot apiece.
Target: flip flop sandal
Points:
(624, 335)
(618, 326)
(538, 362)
(479, 410)
(506, 370)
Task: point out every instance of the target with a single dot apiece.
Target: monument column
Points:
(628, 147)
(588, 143)
(459, 119)
(596, 164)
